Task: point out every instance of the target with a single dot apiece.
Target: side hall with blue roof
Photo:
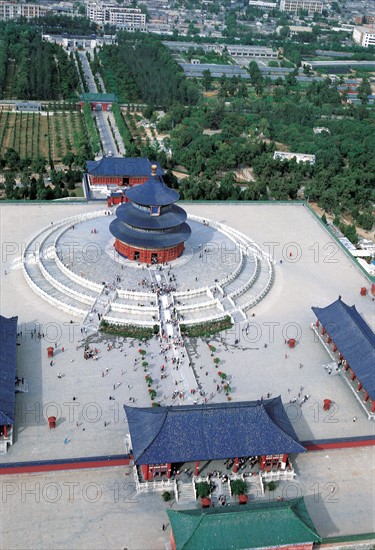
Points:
(8, 357)
(189, 433)
(121, 167)
(354, 340)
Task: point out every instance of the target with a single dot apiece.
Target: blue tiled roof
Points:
(173, 217)
(149, 240)
(153, 192)
(8, 347)
(354, 339)
(208, 432)
(122, 167)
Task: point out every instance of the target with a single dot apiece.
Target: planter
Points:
(243, 499)
(206, 502)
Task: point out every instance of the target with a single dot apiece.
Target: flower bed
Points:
(206, 329)
(127, 331)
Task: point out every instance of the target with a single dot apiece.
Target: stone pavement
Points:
(255, 366)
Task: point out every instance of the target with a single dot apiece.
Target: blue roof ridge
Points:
(359, 320)
(355, 316)
(290, 438)
(156, 434)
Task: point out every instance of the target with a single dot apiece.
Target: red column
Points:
(373, 407)
(144, 469)
(262, 462)
(341, 357)
(334, 347)
(328, 339)
(196, 471)
(323, 331)
(169, 470)
(365, 399)
(359, 387)
(5, 431)
(235, 467)
(352, 375)
(317, 323)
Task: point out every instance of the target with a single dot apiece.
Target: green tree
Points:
(364, 90)
(207, 79)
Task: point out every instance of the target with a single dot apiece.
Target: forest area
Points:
(142, 69)
(32, 69)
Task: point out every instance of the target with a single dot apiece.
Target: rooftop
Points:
(8, 349)
(153, 192)
(354, 339)
(259, 525)
(210, 431)
(121, 167)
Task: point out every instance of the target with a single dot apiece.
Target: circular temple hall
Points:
(150, 228)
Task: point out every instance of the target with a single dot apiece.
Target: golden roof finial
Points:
(153, 169)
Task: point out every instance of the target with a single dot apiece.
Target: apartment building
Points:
(311, 6)
(364, 36)
(14, 10)
(114, 14)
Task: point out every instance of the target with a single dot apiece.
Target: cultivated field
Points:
(50, 135)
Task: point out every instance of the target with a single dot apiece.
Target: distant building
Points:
(14, 10)
(364, 19)
(122, 17)
(251, 51)
(28, 106)
(364, 36)
(295, 29)
(311, 6)
(261, 5)
(300, 157)
(320, 129)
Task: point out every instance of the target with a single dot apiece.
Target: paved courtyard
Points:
(313, 272)
(93, 256)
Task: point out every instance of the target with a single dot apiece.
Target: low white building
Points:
(300, 157)
(251, 51)
(261, 5)
(364, 36)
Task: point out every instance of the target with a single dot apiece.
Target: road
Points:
(102, 117)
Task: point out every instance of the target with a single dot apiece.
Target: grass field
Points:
(50, 135)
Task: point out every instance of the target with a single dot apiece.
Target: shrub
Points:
(203, 489)
(167, 496)
(238, 487)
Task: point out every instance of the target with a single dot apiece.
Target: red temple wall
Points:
(145, 254)
(116, 180)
